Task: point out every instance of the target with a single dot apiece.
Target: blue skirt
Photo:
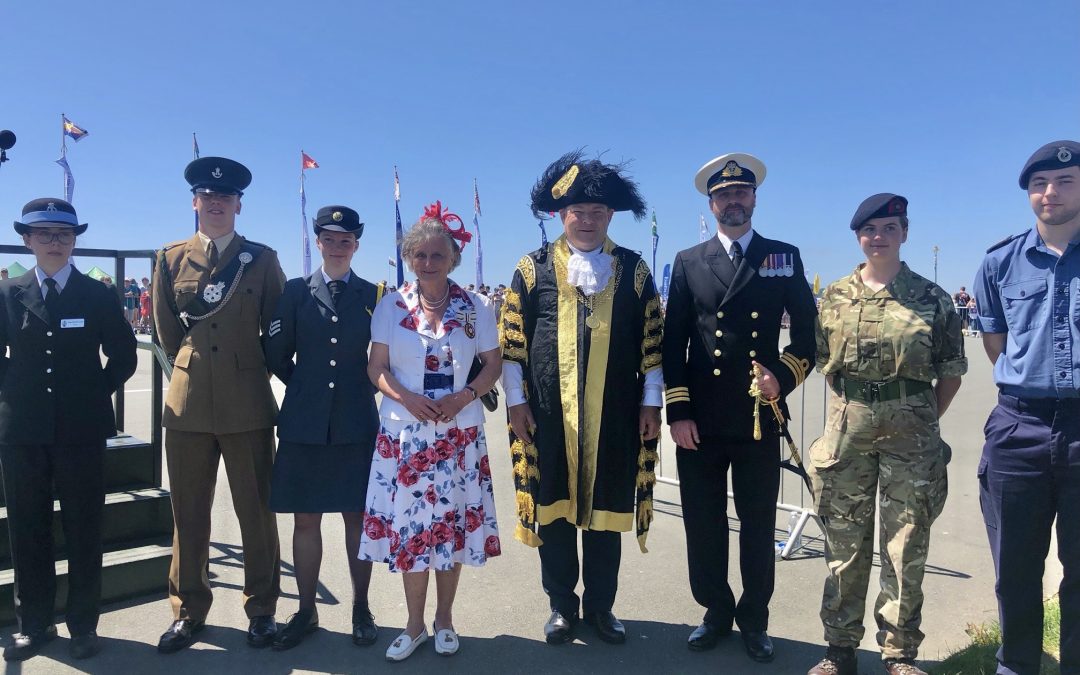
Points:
(320, 478)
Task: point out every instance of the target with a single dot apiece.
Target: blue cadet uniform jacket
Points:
(329, 399)
(53, 388)
(1024, 289)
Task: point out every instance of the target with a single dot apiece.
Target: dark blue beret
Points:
(1056, 155)
(217, 174)
(338, 219)
(881, 205)
(49, 212)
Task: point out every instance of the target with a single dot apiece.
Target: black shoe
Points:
(607, 627)
(300, 625)
(559, 629)
(25, 645)
(180, 635)
(758, 645)
(84, 646)
(705, 636)
(364, 630)
(261, 631)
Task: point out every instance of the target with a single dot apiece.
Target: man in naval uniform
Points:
(213, 297)
(727, 298)
(581, 334)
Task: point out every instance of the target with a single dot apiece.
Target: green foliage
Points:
(980, 657)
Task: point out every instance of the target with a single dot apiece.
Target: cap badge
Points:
(244, 257)
(337, 216)
(731, 170)
(52, 205)
(1064, 155)
(216, 173)
(562, 186)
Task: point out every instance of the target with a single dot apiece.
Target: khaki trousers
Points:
(192, 459)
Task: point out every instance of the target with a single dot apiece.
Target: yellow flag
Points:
(817, 283)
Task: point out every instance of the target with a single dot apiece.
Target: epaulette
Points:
(380, 289)
(173, 244)
(1004, 241)
(255, 243)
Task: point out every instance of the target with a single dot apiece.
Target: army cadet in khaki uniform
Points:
(884, 335)
(213, 296)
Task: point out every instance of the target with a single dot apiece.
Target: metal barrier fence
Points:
(805, 426)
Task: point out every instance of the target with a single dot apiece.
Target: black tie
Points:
(736, 254)
(52, 298)
(337, 287)
(212, 253)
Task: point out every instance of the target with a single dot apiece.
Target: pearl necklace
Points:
(432, 306)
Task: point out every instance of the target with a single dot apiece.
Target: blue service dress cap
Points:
(881, 205)
(217, 174)
(49, 212)
(1056, 155)
(338, 219)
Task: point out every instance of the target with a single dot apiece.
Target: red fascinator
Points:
(435, 212)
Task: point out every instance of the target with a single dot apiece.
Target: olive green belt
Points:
(866, 391)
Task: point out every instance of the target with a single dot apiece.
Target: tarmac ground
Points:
(501, 608)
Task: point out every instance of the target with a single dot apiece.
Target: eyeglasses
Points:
(65, 238)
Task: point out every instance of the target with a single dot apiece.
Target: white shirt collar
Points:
(61, 278)
(744, 240)
(327, 278)
(221, 242)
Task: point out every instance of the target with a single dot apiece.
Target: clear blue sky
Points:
(941, 102)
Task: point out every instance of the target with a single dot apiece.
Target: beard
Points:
(735, 215)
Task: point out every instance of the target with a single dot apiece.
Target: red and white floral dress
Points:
(429, 501)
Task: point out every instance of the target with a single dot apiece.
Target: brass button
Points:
(752, 353)
(716, 372)
(716, 352)
(719, 315)
(719, 333)
(753, 315)
(754, 334)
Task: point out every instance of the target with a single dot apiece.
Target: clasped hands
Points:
(438, 409)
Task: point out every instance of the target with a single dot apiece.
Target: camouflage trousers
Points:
(889, 451)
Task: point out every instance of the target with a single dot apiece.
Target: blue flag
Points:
(69, 180)
(664, 285)
(655, 241)
(398, 234)
(73, 130)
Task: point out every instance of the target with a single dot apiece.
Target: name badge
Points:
(72, 323)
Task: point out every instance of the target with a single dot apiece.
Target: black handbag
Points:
(490, 399)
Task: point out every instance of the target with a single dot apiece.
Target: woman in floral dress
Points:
(430, 503)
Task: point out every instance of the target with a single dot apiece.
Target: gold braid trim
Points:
(797, 369)
(646, 480)
(511, 327)
(654, 331)
(641, 273)
(528, 273)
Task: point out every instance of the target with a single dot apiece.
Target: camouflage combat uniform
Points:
(907, 333)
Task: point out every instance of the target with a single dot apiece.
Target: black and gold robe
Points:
(584, 361)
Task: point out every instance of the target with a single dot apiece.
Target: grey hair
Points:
(424, 229)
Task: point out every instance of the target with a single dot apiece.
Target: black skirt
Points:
(320, 478)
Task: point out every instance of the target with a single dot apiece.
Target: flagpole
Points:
(305, 250)
(398, 234)
(195, 155)
(63, 148)
(476, 226)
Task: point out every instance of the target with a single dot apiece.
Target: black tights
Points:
(307, 556)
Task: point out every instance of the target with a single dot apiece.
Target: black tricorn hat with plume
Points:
(571, 180)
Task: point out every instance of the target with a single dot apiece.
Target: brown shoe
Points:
(902, 667)
(837, 661)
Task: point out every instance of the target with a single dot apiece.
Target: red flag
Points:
(306, 162)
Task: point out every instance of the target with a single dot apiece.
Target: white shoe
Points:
(446, 642)
(401, 648)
